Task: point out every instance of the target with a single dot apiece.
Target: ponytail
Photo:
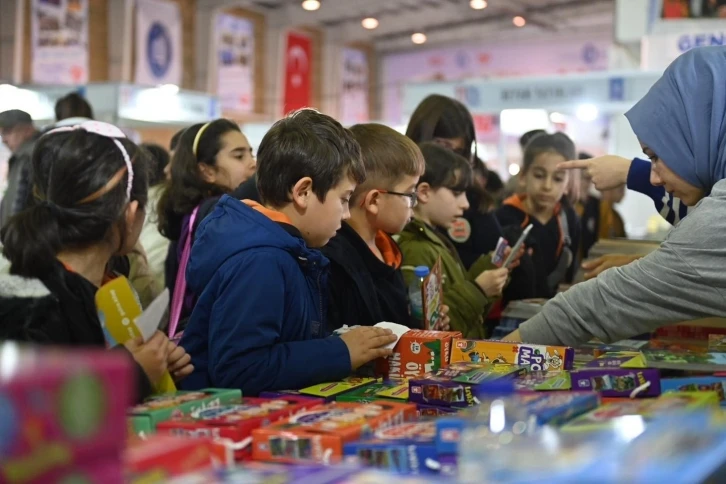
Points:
(31, 240)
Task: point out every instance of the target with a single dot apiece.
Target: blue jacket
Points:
(671, 208)
(259, 322)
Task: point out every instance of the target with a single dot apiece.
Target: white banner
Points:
(158, 43)
(354, 88)
(660, 49)
(59, 41)
(235, 48)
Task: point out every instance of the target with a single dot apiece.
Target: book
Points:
(684, 360)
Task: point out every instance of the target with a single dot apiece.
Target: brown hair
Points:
(388, 156)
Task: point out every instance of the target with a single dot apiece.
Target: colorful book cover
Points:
(617, 382)
(684, 360)
(614, 359)
(326, 390)
(418, 352)
(544, 381)
(474, 376)
(397, 392)
(534, 357)
(370, 393)
(696, 384)
(433, 291)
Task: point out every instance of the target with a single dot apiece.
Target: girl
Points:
(91, 188)
(210, 160)
(681, 125)
(555, 235)
(441, 194)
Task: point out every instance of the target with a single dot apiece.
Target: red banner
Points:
(298, 59)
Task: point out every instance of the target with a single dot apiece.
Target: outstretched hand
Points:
(595, 266)
(607, 172)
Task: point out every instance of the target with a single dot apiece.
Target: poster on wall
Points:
(59, 42)
(511, 59)
(158, 43)
(235, 48)
(298, 68)
(354, 89)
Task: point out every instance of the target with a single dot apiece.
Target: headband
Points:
(198, 137)
(113, 133)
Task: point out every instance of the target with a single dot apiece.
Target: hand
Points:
(596, 266)
(517, 258)
(444, 323)
(179, 362)
(152, 356)
(607, 172)
(366, 343)
(492, 282)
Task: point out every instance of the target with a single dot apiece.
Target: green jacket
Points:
(421, 246)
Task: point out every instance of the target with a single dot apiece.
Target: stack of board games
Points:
(452, 386)
(534, 357)
(235, 423)
(319, 434)
(418, 352)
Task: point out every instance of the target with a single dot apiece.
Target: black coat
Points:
(363, 289)
(59, 310)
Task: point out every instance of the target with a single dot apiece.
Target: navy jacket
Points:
(259, 322)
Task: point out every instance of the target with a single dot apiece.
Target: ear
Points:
(371, 202)
(133, 212)
(302, 191)
(208, 173)
(424, 190)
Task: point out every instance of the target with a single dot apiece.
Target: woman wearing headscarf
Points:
(681, 125)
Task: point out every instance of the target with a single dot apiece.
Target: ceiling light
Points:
(558, 118)
(587, 112)
(418, 38)
(519, 21)
(514, 169)
(478, 4)
(311, 5)
(369, 23)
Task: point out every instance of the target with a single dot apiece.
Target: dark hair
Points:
(444, 168)
(77, 205)
(158, 159)
(72, 105)
(494, 182)
(583, 155)
(387, 155)
(529, 136)
(439, 116)
(174, 142)
(187, 188)
(558, 143)
(306, 143)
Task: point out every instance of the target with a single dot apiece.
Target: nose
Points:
(655, 179)
(547, 185)
(463, 201)
(346, 212)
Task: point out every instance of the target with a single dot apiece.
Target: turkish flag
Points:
(298, 60)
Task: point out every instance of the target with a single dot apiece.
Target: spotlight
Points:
(311, 5)
(519, 21)
(418, 38)
(369, 23)
(478, 4)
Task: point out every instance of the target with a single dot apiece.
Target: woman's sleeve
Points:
(683, 280)
(670, 208)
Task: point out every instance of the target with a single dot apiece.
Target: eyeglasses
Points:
(412, 197)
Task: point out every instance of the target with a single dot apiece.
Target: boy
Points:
(259, 324)
(366, 283)
(555, 234)
(442, 198)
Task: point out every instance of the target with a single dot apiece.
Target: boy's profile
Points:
(259, 323)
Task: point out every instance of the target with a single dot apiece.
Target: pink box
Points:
(60, 409)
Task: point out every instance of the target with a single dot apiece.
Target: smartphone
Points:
(517, 246)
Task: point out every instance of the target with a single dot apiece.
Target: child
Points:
(555, 234)
(441, 199)
(91, 188)
(210, 160)
(366, 283)
(259, 324)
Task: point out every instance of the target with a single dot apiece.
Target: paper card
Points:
(498, 255)
(150, 319)
(397, 329)
(433, 296)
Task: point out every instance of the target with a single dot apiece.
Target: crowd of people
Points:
(267, 255)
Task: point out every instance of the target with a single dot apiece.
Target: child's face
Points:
(544, 183)
(442, 206)
(322, 220)
(395, 211)
(235, 162)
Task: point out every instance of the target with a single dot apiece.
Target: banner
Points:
(298, 68)
(354, 89)
(59, 41)
(158, 43)
(658, 50)
(235, 48)
(505, 59)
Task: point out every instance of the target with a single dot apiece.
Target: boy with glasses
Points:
(366, 283)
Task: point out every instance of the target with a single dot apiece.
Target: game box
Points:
(534, 357)
(418, 352)
(618, 382)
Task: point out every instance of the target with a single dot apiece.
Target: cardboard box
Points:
(543, 381)
(419, 352)
(159, 408)
(235, 423)
(696, 384)
(60, 409)
(535, 357)
(371, 392)
(160, 457)
(331, 390)
(318, 435)
(617, 382)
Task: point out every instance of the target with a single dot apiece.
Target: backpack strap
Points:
(180, 288)
(564, 226)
